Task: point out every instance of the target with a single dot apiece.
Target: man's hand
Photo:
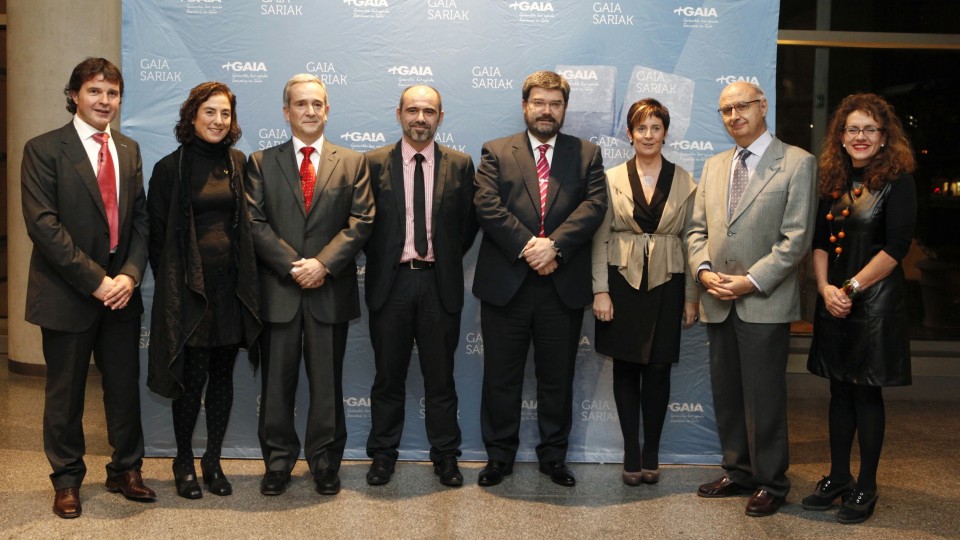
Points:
(548, 268)
(119, 293)
(539, 253)
(725, 286)
(309, 273)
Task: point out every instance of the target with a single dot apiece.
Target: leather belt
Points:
(416, 264)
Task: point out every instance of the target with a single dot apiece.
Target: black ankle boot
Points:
(185, 477)
(214, 478)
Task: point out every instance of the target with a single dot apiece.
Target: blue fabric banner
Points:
(477, 54)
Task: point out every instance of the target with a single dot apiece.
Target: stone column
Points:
(45, 40)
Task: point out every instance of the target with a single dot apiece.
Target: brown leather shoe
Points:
(763, 503)
(723, 487)
(130, 484)
(66, 503)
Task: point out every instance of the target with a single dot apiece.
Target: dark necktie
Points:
(308, 177)
(740, 177)
(419, 208)
(107, 179)
(543, 177)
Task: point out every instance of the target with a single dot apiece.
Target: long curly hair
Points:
(184, 130)
(893, 159)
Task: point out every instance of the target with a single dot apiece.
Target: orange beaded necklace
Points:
(836, 238)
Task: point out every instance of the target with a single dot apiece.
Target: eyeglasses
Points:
(869, 131)
(740, 107)
(541, 104)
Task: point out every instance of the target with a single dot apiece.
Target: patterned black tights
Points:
(200, 364)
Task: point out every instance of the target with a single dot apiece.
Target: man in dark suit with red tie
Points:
(540, 196)
(311, 212)
(85, 211)
(414, 281)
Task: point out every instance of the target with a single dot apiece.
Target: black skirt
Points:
(646, 323)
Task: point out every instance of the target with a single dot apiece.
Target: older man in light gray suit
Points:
(752, 224)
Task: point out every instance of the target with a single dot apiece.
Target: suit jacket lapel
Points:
(399, 191)
(287, 163)
(528, 168)
(127, 172)
(439, 183)
(562, 163)
(767, 167)
(77, 155)
(328, 162)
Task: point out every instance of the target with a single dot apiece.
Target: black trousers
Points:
(535, 314)
(748, 369)
(114, 343)
(322, 347)
(413, 312)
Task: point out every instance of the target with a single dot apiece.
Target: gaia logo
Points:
(423, 71)
(692, 145)
(729, 79)
(363, 136)
(686, 407)
(688, 11)
(579, 74)
(367, 3)
(356, 401)
(531, 6)
(247, 67)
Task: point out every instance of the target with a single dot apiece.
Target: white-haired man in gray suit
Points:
(751, 226)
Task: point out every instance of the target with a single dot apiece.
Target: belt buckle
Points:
(417, 264)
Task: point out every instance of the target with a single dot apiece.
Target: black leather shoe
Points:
(827, 491)
(380, 470)
(858, 506)
(763, 503)
(66, 503)
(215, 480)
(722, 487)
(328, 482)
(493, 473)
(274, 482)
(559, 473)
(185, 478)
(448, 472)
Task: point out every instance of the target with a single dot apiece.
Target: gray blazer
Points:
(766, 237)
(337, 227)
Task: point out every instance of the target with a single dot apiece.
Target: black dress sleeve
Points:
(901, 217)
(821, 232)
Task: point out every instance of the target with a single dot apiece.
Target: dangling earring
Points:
(882, 145)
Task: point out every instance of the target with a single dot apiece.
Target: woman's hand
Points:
(602, 306)
(836, 301)
(689, 314)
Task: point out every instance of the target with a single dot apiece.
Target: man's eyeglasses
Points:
(540, 104)
(741, 107)
(869, 131)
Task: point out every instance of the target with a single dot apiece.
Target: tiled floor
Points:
(919, 484)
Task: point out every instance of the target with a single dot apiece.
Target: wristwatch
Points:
(556, 247)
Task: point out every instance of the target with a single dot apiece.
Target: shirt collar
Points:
(298, 144)
(408, 152)
(535, 142)
(759, 146)
(85, 130)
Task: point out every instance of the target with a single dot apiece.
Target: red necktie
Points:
(543, 175)
(308, 177)
(107, 179)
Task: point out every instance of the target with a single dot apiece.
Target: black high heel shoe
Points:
(215, 480)
(185, 477)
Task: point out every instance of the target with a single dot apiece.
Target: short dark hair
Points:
(435, 91)
(184, 130)
(86, 70)
(644, 109)
(547, 80)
